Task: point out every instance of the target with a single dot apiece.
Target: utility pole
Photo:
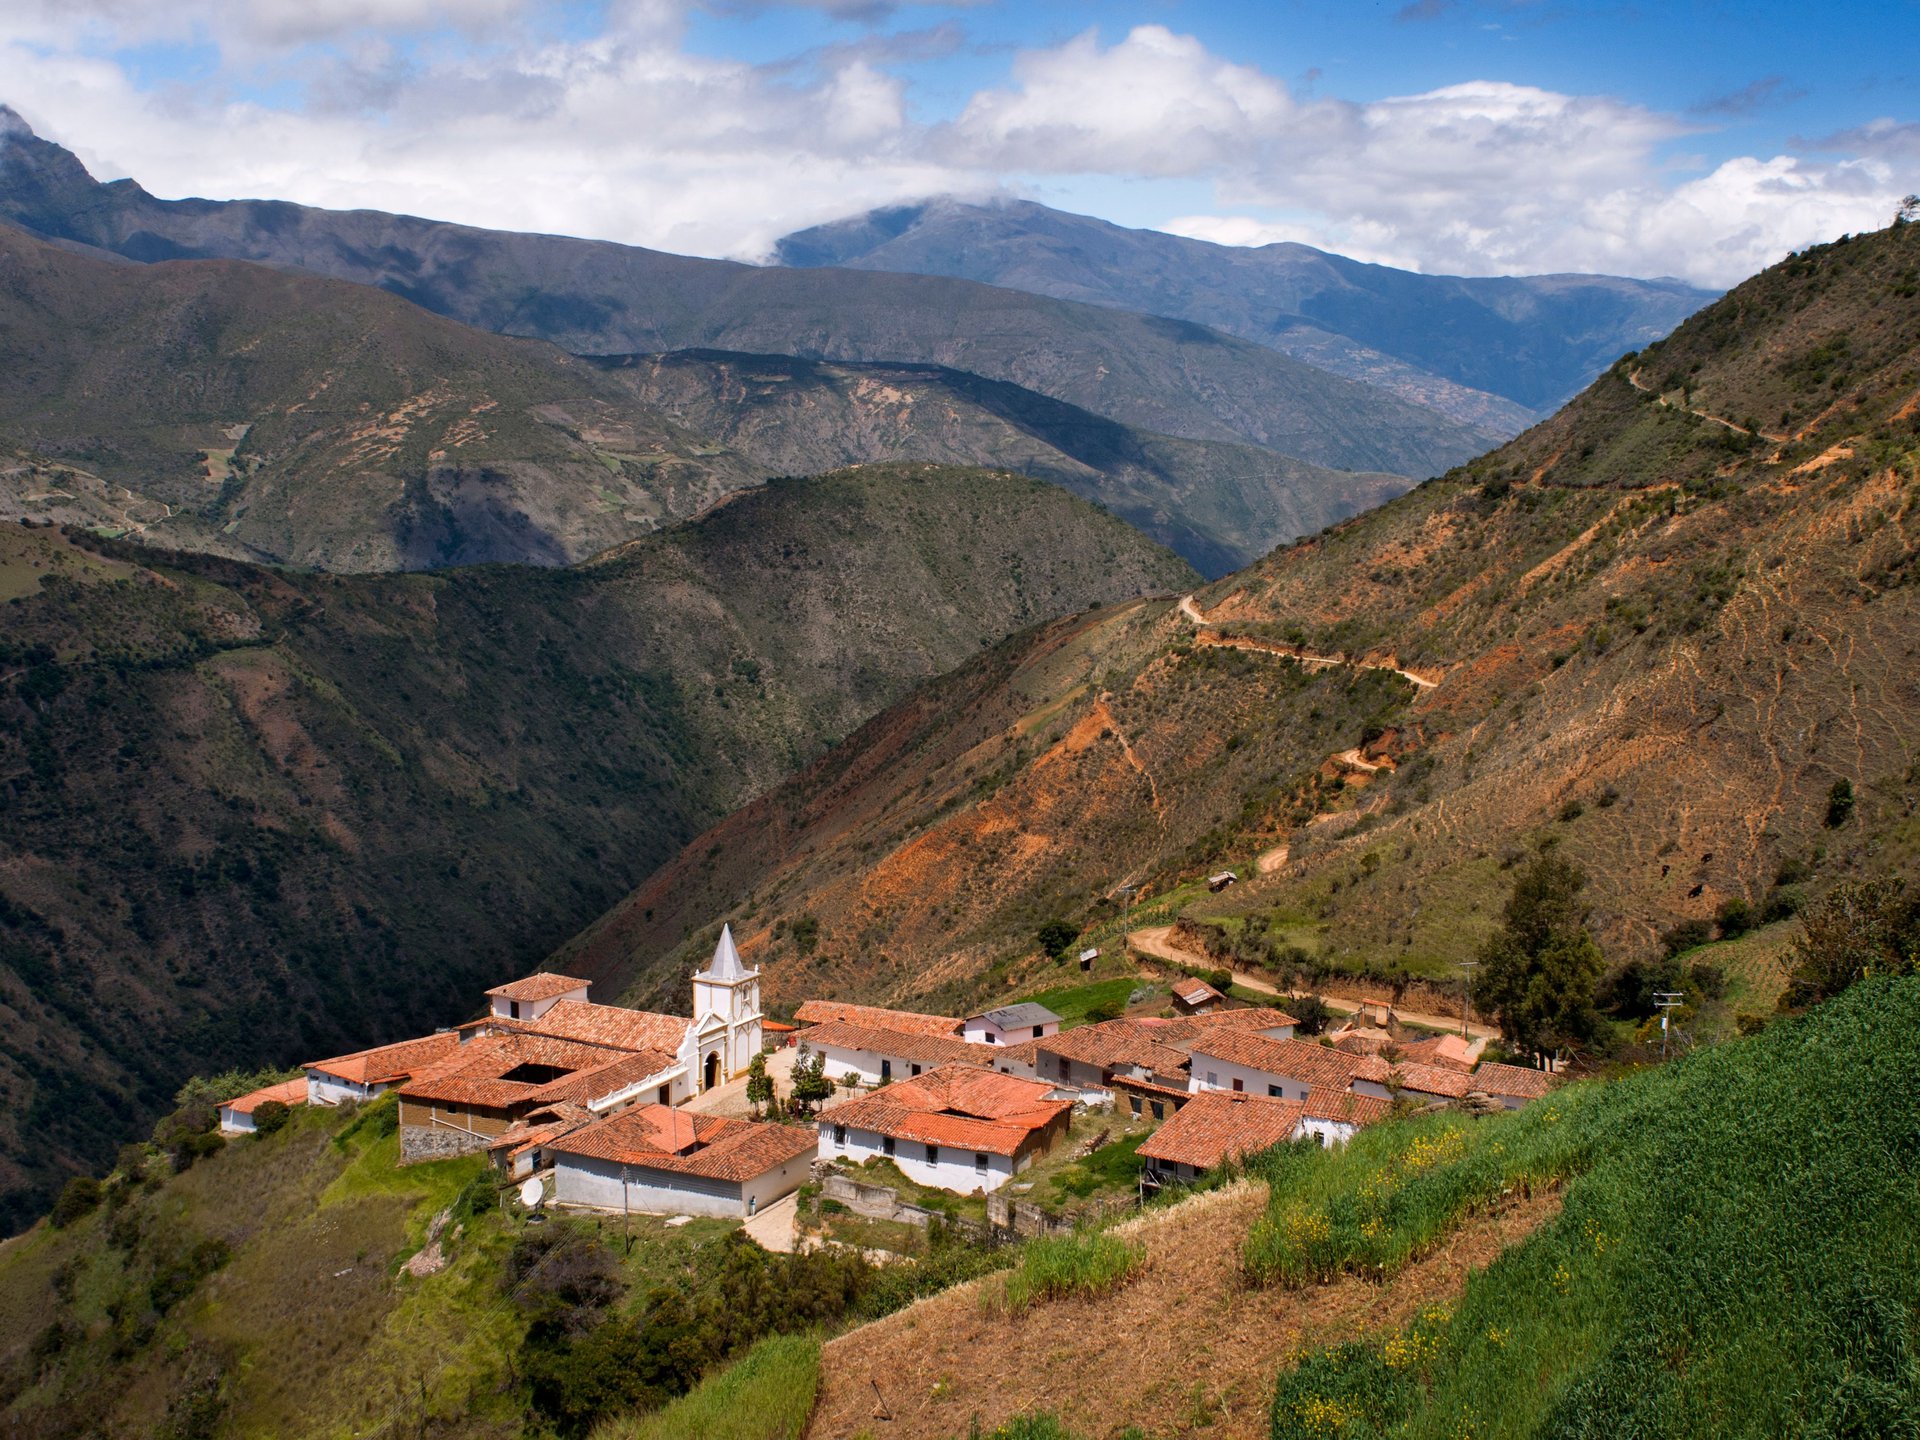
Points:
(1126, 916)
(1466, 989)
(1665, 1000)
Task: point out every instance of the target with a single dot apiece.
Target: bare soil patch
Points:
(1186, 1348)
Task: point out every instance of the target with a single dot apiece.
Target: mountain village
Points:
(626, 1111)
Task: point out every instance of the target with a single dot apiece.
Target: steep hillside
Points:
(1496, 351)
(321, 423)
(247, 814)
(1217, 504)
(1657, 639)
(591, 297)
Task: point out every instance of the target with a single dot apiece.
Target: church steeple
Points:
(725, 967)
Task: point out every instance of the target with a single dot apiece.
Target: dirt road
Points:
(1313, 659)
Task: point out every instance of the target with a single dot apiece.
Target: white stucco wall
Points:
(955, 1170)
(864, 1065)
(1328, 1132)
(984, 1032)
(235, 1123)
(1373, 1088)
(581, 1180)
(533, 1009)
(325, 1089)
(1211, 1073)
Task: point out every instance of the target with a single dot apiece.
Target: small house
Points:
(1088, 956)
(1217, 883)
(1237, 1059)
(957, 1128)
(656, 1160)
(532, 997)
(367, 1073)
(875, 1017)
(1194, 996)
(873, 1056)
(1511, 1085)
(1214, 1128)
(1090, 1057)
(1011, 1024)
(1333, 1117)
(236, 1116)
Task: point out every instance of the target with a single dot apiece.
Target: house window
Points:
(886, 1069)
(1039, 1031)
(1238, 1083)
(513, 1009)
(886, 1144)
(991, 1037)
(839, 1134)
(1213, 1080)
(1134, 1101)
(933, 1154)
(979, 1162)
(1159, 1110)
(1276, 1092)
(1066, 1068)
(916, 1069)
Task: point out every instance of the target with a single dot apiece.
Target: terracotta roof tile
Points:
(1182, 1031)
(477, 1074)
(613, 1025)
(1519, 1081)
(1219, 1125)
(1195, 991)
(1431, 1079)
(959, 1106)
(542, 986)
(385, 1064)
(287, 1092)
(1311, 1065)
(1449, 1050)
(1346, 1108)
(705, 1145)
(901, 1044)
(817, 1012)
(1113, 1043)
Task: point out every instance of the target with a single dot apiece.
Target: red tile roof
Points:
(385, 1064)
(287, 1092)
(476, 1075)
(1449, 1050)
(1441, 1080)
(1182, 1031)
(1314, 1066)
(1219, 1125)
(958, 1106)
(1519, 1081)
(818, 1012)
(1195, 991)
(654, 1137)
(900, 1044)
(1113, 1043)
(535, 988)
(613, 1025)
(1346, 1108)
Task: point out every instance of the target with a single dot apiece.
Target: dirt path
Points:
(1157, 941)
(1312, 659)
(1271, 860)
(1186, 1348)
(1633, 379)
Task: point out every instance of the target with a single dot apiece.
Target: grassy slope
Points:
(324, 424)
(251, 816)
(1735, 1255)
(1674, 636)
(592, 297)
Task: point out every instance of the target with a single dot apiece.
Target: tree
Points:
(1055, 936)
(761, 1094)
(1310, 1014)
(80, 1197)
(810, 1082)
(269, 1116)
(1839, 804)
(1909, 210)
(1861, 928)
(1537, 976)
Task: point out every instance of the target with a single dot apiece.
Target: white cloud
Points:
(628, 134)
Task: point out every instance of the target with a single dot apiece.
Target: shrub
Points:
(1687, 935)
(78, 1198)
(1839, 804)
(1056, 936)
(1735, 918)
(1709, 982)
(1861, 928)
(1783, 904)
(270, 1116)
(767, 1394)
(1091, 1263)
(1310, 1013)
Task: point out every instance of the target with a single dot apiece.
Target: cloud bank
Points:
(474, 112)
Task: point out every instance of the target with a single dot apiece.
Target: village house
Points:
(872, 1056)
(1511, 1085)
(1238, 1059)
(367, 1073)
(1089, 1058)
(1193, 996)
(1334, 1117)
(1455, 1051)
(1011, 1024)
(1430, 1082)
(1213, 1128)
(532, 996)
(957, 1128)
(236, 1116)
(657, 1160)
(1183, 1032)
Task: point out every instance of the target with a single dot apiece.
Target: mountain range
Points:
(1498, 352)
(1662, 632)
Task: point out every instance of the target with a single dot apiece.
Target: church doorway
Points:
(713, 1071)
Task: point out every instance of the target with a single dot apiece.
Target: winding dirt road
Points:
(1313, 659)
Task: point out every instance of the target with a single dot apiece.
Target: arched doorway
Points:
(713, 1070)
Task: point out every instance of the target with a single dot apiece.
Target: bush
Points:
(1783, 904)
(1687, 935)
(1709, 982)
(1839, 804)
(1310, 1014)
(1735, 918)
(270, 1116)
(767, 1394)
(78, 1198)
(1056, 936)
(1861, 928)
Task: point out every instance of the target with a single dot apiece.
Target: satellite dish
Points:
(532, 1193)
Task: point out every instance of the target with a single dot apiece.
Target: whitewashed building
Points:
(873, 1056)
(660, 1161)
(1255, 1064)
(236, 1115)
(367, 1073)
(1011, 1024)
(957, 1128)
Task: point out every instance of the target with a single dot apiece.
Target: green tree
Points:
(80, 1197)
(1839, 804)
(269, 1116)
(1861, 928)
(1537, 976)
(1055, 936)
(810, 1082)
(761, 1094)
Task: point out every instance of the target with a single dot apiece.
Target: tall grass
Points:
(1737, 1252)
(1083, 1263)
(767, 1394)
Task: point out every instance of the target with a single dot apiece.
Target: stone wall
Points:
(436, 1142)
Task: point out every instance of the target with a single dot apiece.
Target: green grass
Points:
(1073, 1002)
(765, 1395)
(1087, 1263)
(1736, 1253)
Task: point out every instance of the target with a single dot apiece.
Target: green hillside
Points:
(248, 816)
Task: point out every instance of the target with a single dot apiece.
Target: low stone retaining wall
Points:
(434, 1142)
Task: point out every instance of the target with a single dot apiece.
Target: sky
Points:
(1478, 137)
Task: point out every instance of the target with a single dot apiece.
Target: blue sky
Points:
(1517, 136)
